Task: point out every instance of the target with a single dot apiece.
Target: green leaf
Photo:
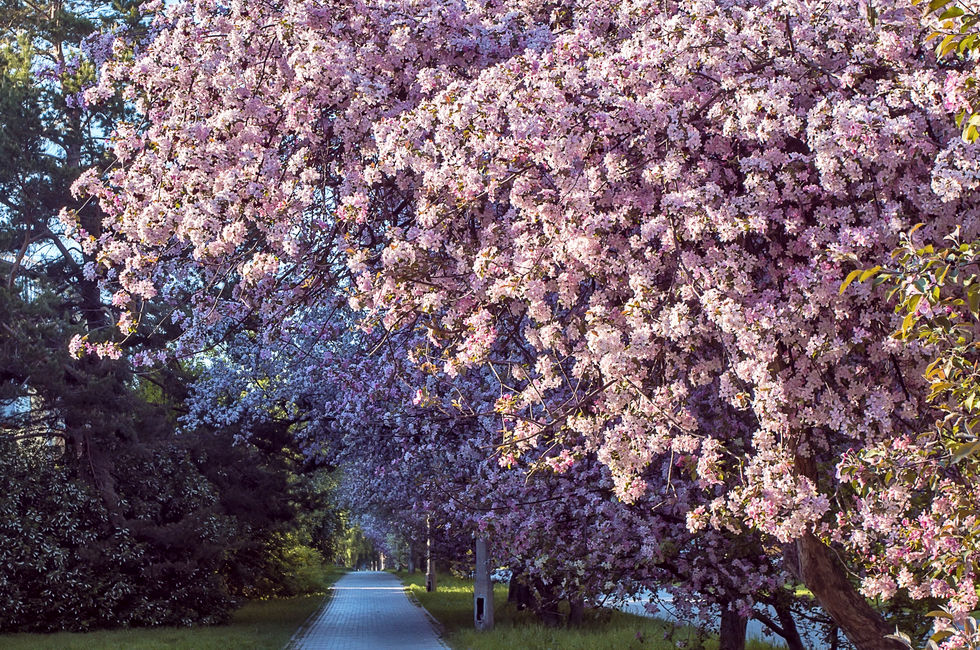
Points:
(967, 43)
(938, 613)
(900, 637)
(935, 5)
(973, 299)
(946, 45)
(848, 280)
(907, 322)
(952, 12)
(965, 450)
(913, 303)
(870, 273)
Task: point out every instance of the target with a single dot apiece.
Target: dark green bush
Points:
(69, 563)
(59, 554)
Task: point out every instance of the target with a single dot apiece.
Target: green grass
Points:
(452, 605)
(257, 624)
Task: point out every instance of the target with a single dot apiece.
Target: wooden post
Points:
(430, 562)
(482, 588)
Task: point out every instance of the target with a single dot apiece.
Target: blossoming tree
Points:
(633, 217)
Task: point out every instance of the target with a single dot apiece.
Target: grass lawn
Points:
(258, 624)
(452, 605)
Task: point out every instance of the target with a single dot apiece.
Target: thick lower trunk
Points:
(819, 569)
(733, 628)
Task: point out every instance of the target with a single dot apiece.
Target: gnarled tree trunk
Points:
(816, 566)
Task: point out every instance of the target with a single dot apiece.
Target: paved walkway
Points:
(368, 611)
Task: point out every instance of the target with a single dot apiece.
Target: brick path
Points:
(368, 611)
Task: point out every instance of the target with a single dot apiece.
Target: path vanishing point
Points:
(368, 611)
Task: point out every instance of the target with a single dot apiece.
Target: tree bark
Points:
(517, 590)
(576, 611)
(790, 633)
(546, 603)
(818, 568)
(786, 627)
(733, 628)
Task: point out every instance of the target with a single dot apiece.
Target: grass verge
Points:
(258, 624)
(452, 605)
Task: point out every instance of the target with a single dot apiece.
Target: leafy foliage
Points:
(937, 294)
(70, 565)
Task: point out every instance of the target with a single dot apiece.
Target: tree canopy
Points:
(602, 240)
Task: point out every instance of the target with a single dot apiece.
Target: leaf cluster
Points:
(936, 292)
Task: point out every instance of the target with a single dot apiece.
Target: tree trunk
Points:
(786, 627)
(517, 590)
(817, 567)
(733, 628)
(576, 610)
(790, 633)
(546, 603)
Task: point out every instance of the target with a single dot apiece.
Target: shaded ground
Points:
(258, 625)
(452, 605)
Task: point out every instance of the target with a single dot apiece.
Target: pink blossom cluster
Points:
(79, 346)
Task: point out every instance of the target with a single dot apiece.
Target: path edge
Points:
(305, 625)
(439, 628)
